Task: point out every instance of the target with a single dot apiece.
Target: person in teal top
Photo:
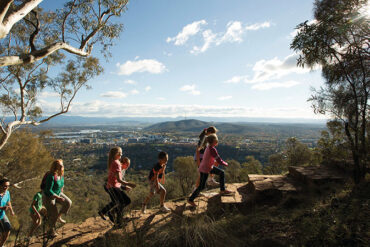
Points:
(5, 204)
(53, 194)
(36, 210)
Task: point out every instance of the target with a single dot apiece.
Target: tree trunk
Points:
(4, 138)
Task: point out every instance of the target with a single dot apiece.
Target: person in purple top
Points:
(207, 166)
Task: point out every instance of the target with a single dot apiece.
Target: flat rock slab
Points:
(315, 175)
(258, 183)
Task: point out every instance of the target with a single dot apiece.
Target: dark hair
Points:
(162, 155)
(3, 181)
(210, 129)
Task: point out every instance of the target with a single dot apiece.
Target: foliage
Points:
(32, 54)
(24, 158)
(338, 41)
(186, 173)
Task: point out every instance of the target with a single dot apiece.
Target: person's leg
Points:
(121, 200)
(52, 213)
(202, 185)
(66, 205)
(162, 194)
(221, 174)
(5, 228)
(36, 222)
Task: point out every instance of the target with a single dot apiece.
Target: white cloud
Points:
(147, 88)
(134, 92)
(271, 85)
(46, 94)
(275, 68)
(146, 65)
(161, 99)
(118, 109)
(189, 30)
(258, 26)
(236, 79)
(113, 94)
(234, 32)
(225, 97)
(190, 89)
(132, 82)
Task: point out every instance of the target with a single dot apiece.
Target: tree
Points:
(252, 166)
(35, 44)
(233, 171)
(338, 41)
(277, 164)
(297, 154)
(25, 157)
(186, 172)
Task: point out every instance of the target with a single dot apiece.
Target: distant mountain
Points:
(193, 125)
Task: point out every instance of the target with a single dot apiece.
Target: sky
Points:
(203, 58)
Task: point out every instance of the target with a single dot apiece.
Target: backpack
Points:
(43, 181)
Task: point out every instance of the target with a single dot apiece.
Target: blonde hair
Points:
(57, 167)
(112, 154)
(212, 138)
(204, 134)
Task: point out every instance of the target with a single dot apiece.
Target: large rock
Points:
(315, 175)
(269, 188)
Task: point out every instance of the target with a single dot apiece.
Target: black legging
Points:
(203, 180)
(119, 200)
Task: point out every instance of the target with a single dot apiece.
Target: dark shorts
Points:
(5, 224)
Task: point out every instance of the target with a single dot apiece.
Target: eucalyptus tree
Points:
(338, 41)
(49, 51)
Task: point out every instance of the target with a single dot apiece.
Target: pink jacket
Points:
(209, 157)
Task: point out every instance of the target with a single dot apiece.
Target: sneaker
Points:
(102, 215)
(227, 192)
(192, 204)
(52, 234)
(143, 208)
(212, 182)
(61, 220)
(111, 217)
(164, 209)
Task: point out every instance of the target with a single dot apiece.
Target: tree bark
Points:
(40, 54)
(7, 20)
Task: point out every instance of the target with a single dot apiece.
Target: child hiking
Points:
(199, 152)
(207, 166)
(119, 198)
(157, 175)
(36, 211)
(52, 188)
(5, 205)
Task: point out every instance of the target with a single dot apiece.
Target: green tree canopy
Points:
(338, 41)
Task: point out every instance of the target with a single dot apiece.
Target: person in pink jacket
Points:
(207, 166)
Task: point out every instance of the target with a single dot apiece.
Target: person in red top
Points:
(156, 176)
(207, 166)
(113, 186)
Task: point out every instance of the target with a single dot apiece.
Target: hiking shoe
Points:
(192, 204)
(52, 234)
(143, 208)
(164, 209)
(111, 217)
(61, 220)
(101, 215)
(227, 192)
(212, 182)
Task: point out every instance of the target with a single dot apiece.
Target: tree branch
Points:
(40, 54)
(9, 19)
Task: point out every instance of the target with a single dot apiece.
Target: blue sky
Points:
(213, 58)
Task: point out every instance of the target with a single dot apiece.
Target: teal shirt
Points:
(4, 200)
(38, 202)
(53, 187)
